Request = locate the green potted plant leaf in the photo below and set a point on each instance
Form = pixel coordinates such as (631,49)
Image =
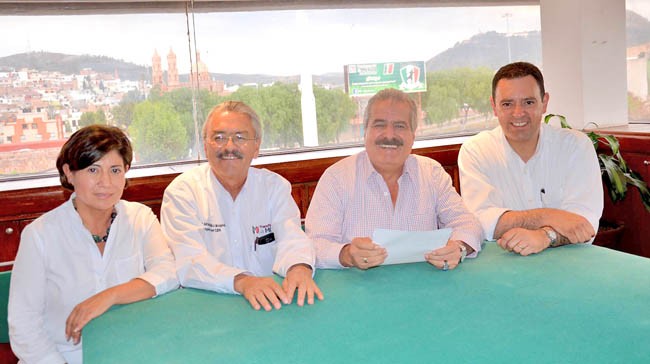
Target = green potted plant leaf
(615,171)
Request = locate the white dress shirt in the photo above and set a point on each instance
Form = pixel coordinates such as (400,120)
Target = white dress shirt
(352,200)
(58,266)
(215,238)
(563,174)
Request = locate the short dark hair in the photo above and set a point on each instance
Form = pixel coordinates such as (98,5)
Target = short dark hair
(88,145)
(395,96)
(518,70)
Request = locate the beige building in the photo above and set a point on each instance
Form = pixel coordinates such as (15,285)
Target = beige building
(637,70)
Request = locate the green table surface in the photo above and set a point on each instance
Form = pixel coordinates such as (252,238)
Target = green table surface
(574,304)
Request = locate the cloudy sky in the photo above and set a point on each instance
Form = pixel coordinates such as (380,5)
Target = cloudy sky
(273,42)
(640,6)
(277,42)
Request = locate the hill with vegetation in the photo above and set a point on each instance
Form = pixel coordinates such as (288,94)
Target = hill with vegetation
(489,50)
(637,29)
(73,64)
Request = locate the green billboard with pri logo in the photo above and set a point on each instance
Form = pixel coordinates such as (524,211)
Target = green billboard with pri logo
(370,78)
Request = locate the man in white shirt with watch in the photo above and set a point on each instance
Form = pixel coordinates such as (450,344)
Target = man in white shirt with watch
(531,185)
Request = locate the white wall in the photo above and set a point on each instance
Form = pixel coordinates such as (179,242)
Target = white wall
(584,60)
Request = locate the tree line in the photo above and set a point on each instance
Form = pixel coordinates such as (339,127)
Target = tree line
(162,126)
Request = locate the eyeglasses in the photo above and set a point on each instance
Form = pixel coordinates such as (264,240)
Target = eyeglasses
(238,139)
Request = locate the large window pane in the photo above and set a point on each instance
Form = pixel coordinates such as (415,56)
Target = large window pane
(638,59)
(157,75)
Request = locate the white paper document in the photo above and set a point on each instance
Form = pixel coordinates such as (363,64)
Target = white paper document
(409,246)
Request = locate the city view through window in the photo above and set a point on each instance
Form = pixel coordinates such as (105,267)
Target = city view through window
(143,73)
(638,60)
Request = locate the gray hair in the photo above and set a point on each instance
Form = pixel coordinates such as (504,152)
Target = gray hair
(395,96)
(237,107)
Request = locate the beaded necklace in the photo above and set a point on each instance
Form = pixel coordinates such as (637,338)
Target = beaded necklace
(103,239)
(100,239)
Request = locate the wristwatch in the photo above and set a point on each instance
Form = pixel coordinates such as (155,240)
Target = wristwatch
(463,252)
(551,234)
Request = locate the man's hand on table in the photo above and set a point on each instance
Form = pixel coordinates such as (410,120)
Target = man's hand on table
(449,256)
(261,292)
(299,277)
(362,253)
(523,241)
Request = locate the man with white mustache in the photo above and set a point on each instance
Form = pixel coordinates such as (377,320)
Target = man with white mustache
(531,185)
(387,187)
(232,226)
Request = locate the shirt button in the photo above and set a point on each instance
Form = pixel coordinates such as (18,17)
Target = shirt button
(385,193)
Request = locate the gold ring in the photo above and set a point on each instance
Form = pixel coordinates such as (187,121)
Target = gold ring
(365,260)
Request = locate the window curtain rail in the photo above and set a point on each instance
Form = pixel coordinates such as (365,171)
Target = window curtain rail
(88,7)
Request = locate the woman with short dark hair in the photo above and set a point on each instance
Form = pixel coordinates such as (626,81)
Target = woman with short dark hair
(88,254)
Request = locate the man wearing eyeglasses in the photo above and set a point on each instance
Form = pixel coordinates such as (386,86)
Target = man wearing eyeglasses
(232,226)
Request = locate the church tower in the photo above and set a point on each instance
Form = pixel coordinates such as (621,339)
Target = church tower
(156,70)
(204,74)
(172,71)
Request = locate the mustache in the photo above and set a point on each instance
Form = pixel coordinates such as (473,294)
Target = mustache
(393,141)
(230,154)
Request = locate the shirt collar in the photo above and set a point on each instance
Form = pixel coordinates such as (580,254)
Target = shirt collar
(368,170)
(512,155)
(214,181)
